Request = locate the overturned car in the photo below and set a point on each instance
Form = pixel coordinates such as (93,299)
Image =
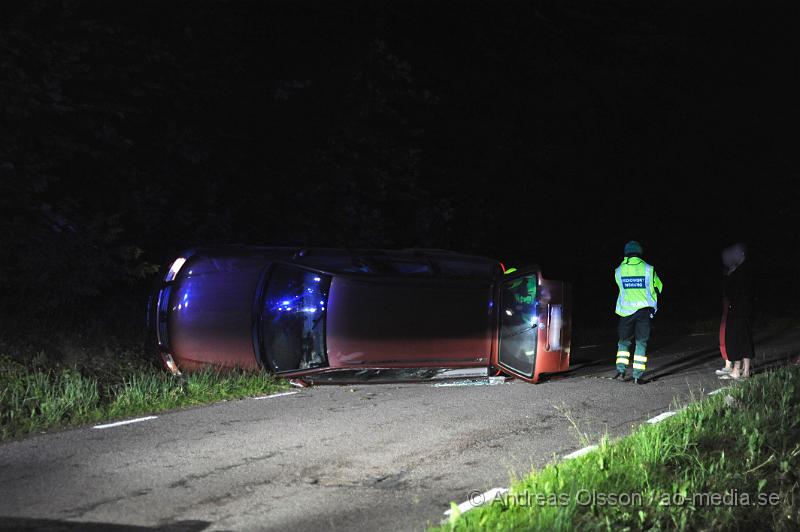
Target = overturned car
(333,315)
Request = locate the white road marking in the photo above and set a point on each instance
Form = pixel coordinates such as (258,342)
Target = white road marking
(274,395)
(714,392)
(580,452)
(588,346)
(661,417)
(478,500)
(126,422)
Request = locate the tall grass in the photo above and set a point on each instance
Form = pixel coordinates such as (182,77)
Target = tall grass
(35,399)
(743,444)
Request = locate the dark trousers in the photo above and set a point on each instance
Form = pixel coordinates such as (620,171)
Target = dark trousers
(634,327)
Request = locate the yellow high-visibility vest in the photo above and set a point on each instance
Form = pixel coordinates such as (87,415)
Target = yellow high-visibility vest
(638,284)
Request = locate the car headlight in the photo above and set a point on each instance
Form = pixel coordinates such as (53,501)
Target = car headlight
(177,264)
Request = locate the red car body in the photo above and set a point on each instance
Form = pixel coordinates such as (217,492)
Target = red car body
(329,315)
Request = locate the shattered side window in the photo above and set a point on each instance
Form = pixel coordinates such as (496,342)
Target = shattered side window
(293,319)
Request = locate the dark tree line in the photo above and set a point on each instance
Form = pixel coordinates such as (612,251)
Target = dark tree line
(543,131)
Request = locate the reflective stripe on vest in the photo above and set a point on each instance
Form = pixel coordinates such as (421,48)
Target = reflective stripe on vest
(648,285)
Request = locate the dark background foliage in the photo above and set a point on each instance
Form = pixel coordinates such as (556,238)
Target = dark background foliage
(533,131)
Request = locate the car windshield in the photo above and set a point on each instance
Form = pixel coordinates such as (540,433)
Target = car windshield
(518,324)
(293,319)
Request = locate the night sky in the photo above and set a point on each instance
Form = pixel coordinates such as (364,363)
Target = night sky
(530,131)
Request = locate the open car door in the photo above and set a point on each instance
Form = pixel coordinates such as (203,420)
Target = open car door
(534,325)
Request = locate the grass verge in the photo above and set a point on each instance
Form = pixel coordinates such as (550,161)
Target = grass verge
(729,462)
(33,399)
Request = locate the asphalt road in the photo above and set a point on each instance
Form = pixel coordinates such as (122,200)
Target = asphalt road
(362,457)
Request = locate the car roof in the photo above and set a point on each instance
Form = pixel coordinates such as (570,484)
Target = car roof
(409,262)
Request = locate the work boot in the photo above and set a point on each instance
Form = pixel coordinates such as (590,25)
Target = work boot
(619,375)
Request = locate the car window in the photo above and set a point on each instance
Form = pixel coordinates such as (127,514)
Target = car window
(293,318)
(518,324)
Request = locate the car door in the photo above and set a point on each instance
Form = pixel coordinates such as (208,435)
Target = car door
(534,322)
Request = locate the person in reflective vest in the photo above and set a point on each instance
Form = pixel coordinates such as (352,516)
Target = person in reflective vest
(637,303)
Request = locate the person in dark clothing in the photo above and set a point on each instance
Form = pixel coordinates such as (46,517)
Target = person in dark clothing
(727,262)
(738,291)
